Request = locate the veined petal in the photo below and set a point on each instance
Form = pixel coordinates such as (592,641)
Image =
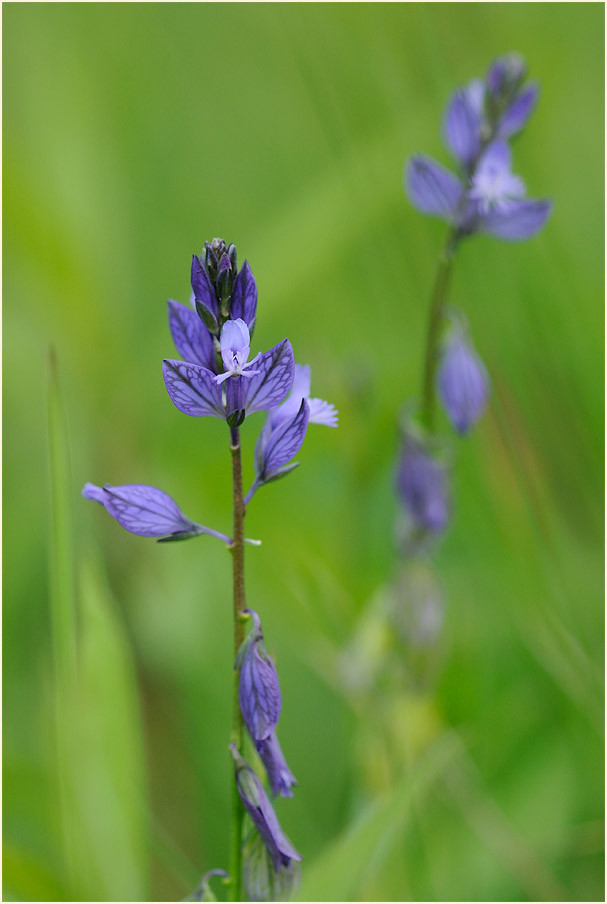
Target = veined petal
(462,126)
(201,285)
(284,442)
(432,189)
(193,389)
(518,112)
(191,337)
(274,380)
(515,220)
(244,296)
(141,509)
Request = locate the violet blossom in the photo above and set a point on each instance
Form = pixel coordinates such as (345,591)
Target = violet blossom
(487,197)
(491,200)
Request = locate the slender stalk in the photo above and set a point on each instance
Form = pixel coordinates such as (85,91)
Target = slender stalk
(437,312)
(237,550)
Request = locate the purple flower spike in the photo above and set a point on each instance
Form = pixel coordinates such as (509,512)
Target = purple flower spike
(432,189)
(258,688)
(422,484)
(463,383)
(259,808)
(279,775)
(244,297)
(147,511)
(191,337)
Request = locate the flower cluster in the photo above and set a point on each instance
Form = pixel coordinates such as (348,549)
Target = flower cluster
(485,196)
(216,379)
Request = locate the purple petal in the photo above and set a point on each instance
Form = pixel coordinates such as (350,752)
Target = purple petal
(518,113)
(516,220)
(244,296)
(432,188)
(193,389)
(201,285)
(274,380)
(191,337)
(462,127)
(284,442)
(279,775)
(141,509)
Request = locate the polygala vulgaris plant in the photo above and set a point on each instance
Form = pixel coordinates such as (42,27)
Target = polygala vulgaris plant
(484,197)
(217,379)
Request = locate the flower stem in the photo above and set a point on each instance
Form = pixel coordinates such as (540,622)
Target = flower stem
(437,311)
(237,550)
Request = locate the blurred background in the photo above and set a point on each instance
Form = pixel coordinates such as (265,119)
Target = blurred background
(133,133)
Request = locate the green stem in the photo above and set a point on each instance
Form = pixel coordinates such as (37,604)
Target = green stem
(437,312)
(237,550)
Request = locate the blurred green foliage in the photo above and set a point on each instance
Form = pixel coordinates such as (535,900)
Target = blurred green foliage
(133,132)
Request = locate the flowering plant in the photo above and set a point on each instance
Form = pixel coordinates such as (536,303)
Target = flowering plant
(216,379)
(485,197)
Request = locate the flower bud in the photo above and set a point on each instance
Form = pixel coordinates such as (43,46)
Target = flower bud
(258,688)
(463,383)
(505,76)
(421,481)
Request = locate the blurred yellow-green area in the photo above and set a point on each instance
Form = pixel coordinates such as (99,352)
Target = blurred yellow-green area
(133,133)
